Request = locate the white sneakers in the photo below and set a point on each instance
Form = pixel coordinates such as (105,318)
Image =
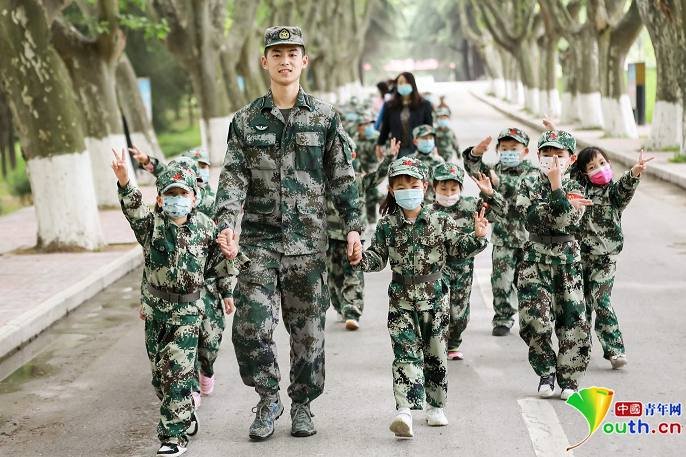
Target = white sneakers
(566,393)
(402,424)
(618,361)
(435,417)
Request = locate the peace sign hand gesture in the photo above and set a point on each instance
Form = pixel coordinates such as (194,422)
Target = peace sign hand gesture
(119,168)
(641,165)
(481,223)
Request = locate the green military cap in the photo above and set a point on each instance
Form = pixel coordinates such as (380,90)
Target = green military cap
(283,34)
(557,139)
(443,112)
(177,175)
(422,130)
(199,155)
(186,162)
(408,166)
(448,171)
(516,134)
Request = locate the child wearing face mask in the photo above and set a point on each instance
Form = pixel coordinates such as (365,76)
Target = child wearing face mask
(549,276)
(417,241)
(180,253)
(459,272)
(365,139)
(424,139)
(446,141)
(601,238)
(509,233)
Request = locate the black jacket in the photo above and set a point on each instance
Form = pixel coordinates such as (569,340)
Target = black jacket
(391,127)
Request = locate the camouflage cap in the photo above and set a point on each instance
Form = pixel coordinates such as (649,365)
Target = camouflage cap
(408,166)
(557,139)
(199,155)
(448,171)
(283,34)
(443,112)
(187,162)
(422,130)
(365,116)
(516,134)
(177,175)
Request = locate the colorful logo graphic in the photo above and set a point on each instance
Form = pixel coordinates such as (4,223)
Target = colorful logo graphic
(593,403)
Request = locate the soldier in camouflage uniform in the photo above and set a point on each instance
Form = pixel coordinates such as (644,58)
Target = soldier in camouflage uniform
(417,240)
(346,285)
(602,240)
(549,276)
(446,141)
(180,252)
(424,140)
(286,155)
(509,232)
(365,138)
(459,272)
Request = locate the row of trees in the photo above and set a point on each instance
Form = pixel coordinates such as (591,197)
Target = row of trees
(522,41)
(72,89)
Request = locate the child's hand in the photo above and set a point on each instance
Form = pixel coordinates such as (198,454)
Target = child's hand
(481,223)
(141,316)
(481,148)
(494,178)
(555,174)
(549,124)
(228,243)
(483,182)
(641,165)
(354,248)
(378,151)
(119,168)
(229,306)
(579,203)
(395,147)
(140,157)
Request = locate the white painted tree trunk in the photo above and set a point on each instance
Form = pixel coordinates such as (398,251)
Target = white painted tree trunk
(590,112)
(520,98)
(666,128)
(619,118)
(569,112)
(550,104)
(512,91)
(213,133)
(532,99)
(65,201)
(498,87)
(101,156)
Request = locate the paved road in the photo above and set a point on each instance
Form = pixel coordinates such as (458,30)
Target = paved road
(82,388)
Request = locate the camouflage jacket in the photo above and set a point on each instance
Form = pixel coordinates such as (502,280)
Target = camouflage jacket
(365,181)
(549,213)
(206,198)
(418,248)
(281,172)
(366,152)
(446,143)
(600,231)
(178,259)
(430,161)
(508,228)
(462,213)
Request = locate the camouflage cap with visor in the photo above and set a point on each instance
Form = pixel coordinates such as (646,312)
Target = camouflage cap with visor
(408,166)
(283,34)
(516,134)
(177,175)
(557,139)
(448,171)
(422,130)
(442,112)
(199,155)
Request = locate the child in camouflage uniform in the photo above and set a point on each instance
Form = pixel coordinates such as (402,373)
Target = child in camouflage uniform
(446,141)
(602,240)
(459,272)
(365,139)
(549,276)
(180,252)
(509,232)
(424,139)
(417,241)
(346,286)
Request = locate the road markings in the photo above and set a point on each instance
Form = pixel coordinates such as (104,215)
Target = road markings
(545,430)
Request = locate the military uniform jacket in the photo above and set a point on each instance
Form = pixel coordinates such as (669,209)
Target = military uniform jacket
(366,152)
(600,231)
(177,258)
(446,143)
(280,171)
(549,213)
(509,228)
(415,249)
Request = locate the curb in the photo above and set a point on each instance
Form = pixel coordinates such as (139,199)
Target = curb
(23,329)
(656,170)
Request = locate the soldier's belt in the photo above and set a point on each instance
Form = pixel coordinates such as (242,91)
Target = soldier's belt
(550,239)
(418,279)
(172,297)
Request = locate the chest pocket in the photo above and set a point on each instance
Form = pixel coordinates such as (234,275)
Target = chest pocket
(309,150)
(261,150)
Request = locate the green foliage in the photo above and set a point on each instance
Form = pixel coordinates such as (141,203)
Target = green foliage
(174,142)
(678,158)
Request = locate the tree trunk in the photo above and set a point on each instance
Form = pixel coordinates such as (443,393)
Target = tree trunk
(527,59)
(588,84)
(48,121)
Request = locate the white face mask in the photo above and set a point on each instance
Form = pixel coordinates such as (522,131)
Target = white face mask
(447,200)
(546,163)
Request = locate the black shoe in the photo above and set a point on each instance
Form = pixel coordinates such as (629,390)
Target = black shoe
(266,413)
(170,450)
(500,330)
(546,386)
(192,429)
(302,425)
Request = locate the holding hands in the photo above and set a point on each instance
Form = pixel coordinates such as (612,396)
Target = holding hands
(228,243)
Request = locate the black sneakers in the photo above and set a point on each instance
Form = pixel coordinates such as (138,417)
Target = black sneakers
(170,450)
(546,386)
(500,330)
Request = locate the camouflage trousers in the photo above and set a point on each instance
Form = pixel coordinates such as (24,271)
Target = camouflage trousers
(599,277)
(296,286)
(211,331)
(504,261)
(459,277)
(172,350)
(346,285)
(420,364)
(551,296)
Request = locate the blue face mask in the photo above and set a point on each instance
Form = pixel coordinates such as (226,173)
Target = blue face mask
(177,205)
(409,199)
(425,146)
(351,117)
(404,89)
(369,131)
(509,158)
(204,174)
(443,123)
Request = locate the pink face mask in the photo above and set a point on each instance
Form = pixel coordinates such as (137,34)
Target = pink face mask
(601,176)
